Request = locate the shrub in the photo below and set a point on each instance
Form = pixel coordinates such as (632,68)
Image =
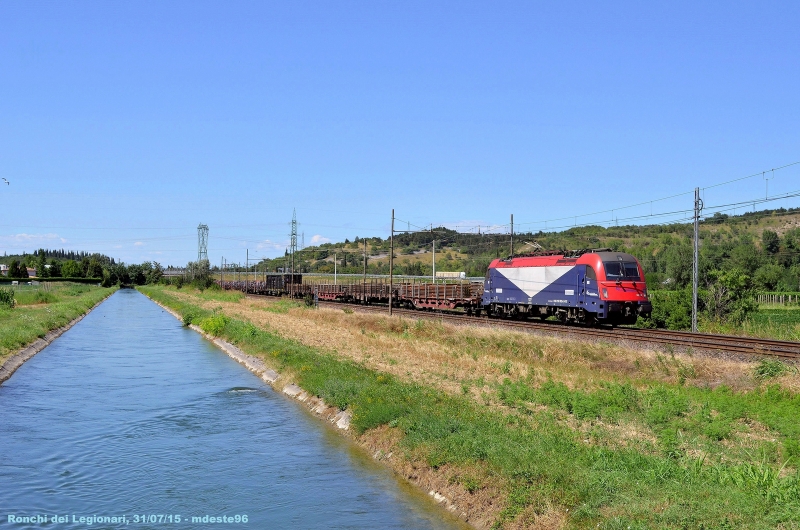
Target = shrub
(769,368)
(214,325)
(188,317)
(729,297)
(7,298)
(44,297)
(671,310)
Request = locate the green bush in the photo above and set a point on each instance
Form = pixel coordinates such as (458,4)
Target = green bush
(214,325)
(44,297)
(671,310)
(188,317)
(7,298)
(769,368)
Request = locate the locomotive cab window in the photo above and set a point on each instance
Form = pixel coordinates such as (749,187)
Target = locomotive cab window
(619,270)
(590,274)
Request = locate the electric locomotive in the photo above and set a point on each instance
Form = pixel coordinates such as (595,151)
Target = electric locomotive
(598,286)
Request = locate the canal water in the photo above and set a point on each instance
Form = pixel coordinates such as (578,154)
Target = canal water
(130,415)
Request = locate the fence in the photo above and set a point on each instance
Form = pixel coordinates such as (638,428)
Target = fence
(778,298)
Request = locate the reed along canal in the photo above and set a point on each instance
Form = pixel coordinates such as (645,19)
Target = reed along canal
(128,414)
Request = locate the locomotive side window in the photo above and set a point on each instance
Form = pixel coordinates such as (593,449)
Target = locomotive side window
(618,270)
(590,274)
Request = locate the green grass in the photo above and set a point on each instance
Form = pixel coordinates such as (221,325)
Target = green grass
(769,322)
(40,310)
(542,461)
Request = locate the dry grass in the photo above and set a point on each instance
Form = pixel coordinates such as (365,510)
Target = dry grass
(449,357)
(473,360)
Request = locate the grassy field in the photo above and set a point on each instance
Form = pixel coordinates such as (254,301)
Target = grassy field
(523,431)
(769,322)
(42,308)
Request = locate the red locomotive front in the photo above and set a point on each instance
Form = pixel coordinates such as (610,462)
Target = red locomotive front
(600,286)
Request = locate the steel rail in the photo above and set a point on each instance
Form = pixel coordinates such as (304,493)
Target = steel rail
(685,339)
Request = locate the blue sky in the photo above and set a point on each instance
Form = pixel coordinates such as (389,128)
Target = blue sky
(125,125)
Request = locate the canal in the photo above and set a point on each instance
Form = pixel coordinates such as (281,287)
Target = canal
(128,414)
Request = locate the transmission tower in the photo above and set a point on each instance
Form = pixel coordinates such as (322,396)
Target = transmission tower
(293,244)
(202,242)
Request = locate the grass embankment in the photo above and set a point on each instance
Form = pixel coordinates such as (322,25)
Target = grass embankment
(525,431)
(42,308)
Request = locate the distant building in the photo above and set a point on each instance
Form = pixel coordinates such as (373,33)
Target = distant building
(3,269)
(31,272)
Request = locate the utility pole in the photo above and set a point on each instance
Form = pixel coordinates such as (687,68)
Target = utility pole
(766,181)
(364,286)
(391,265)
(247,270)
(334,268)
(698,205)
(512,236)
(294,249)
(434,262)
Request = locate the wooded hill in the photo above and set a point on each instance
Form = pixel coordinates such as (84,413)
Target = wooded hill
(764,245)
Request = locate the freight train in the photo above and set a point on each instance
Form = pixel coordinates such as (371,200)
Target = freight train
(591,287)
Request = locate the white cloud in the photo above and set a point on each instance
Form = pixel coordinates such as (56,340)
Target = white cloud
(270,245)
(318,240)
(138,244)
(31,239)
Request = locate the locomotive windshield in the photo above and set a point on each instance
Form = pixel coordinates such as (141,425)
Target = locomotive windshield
(622,270)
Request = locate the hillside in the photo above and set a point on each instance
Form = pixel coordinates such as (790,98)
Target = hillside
(765,245)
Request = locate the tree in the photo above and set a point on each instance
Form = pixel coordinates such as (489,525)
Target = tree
(23,271)
(200,273)
(768,276)
(746,257)
(41,262)
(156,273)
(679,264)
(790,280)
(13,270)
(71,269)
(55,269)
(730,296)
(84,265)
(770,241)
(137,274)
(94,270)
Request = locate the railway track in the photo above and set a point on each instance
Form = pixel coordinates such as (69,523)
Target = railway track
(679,339)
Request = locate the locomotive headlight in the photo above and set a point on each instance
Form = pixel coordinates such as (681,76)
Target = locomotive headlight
(605,293)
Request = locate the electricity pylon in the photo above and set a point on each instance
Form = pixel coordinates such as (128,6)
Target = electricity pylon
(202,242)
